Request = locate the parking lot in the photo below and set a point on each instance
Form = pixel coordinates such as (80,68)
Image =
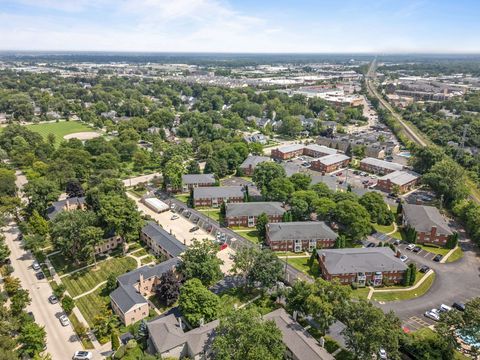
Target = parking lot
(402,247)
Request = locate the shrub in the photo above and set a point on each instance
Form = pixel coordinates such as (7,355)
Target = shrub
(120,353)
(354,285)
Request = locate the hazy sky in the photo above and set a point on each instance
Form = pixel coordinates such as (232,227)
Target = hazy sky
(242,25)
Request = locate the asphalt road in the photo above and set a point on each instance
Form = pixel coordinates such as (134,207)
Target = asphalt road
(62,342)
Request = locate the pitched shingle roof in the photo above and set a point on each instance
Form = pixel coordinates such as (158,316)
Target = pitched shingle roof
(208,192)
(321,148)
(254,209)
(198,179)
(58,206)
(164,240)
(381,163)
(126,297)
(400,177)
(423,218)
(305,230)
(332,159)
(254,160)
(290,148)
(147,271)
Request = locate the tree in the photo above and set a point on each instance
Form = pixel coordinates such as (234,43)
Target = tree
(172,173)
(261,226)
(40,193)
(244,261)
(291,126)
(299,209)
(452,241)
(413,273)
(340,242)
(425,157)
(377,208)
(74,189)
(68,304)
(19,301)
(103,323)
(407,277)
(59,290)
(7,183)
(447,178)
(266,271)
(243,334)
(119,215)
(265,173)
(4,250)
(11,285)
(410,234)
(301,181)
(324,208)
(280,190)
(169,288)
(111,283)
(200,261)
(353,219)
(297,297)
(193,167)
(115,340)
(31,338)
(38,225)
(197,303)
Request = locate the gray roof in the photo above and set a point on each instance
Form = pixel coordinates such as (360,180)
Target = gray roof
(302,345)
(132,277)
(208,192)
(198,179)
(305,230)
(321,148)
(254,160)
(401,177)
(58,206)
(166,241)
(423,218)
(126,297)
(381,163)
(332,159)
(292,168)
(290,148)
(354,260)
(254,209)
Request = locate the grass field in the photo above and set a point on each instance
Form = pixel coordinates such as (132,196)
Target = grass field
(384,228)
(182,197)
(59,129)
(87,279)
(302,265)
(456,255)
(139,253)
(405,295)
(213,214)
(360,293)
(93,304)
(61,265)
(250,235)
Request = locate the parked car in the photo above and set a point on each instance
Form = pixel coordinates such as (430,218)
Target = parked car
(363,174)
(382,354)
(404,258)
(410,247)
(433,314)
(437,258)
(82,355)
(40,275)
(444,308)
(396,242)
(459,306)
(392,196)
(424,269)
(64,320)
(52,299)
(369,245)
(195,228)
(174,217)
(36,266)
(417,249)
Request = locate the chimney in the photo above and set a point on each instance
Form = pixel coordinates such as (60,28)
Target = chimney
(398,253)
(180,323)
(202,322)
(322,257)
(295,314)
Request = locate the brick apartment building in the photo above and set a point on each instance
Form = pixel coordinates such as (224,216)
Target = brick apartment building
(329,163)
(246,214)
(160,241)
(429,224)
(287,152)
(215,195)
(316,151)
(378,166)
(190,181)
(299,236)
(251,162)
(363,266)
(404,180)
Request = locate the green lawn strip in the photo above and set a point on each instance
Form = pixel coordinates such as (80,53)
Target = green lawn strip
(59,129)
(289,253)
(250,235)
(302,265)
(87,344)
(383,228)
(434,249)
(148,260)
(213,214)
(397,235)
(85,280)
(405,295)
(360,293)
(182,197)
(456,255)
(61,265)
(139,253)
(93,304)
(237,295)
(330,344)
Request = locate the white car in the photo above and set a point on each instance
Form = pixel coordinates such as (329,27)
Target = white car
(174,217)
(411,247)
(82,355)
(64,320)
(36,266)
(433,314)
(444,308)
(382,354)
(404,258)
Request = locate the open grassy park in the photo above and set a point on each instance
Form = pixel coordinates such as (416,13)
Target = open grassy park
(59,129)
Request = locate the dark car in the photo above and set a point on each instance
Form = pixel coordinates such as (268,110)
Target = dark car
(417,249)
(371,245)
(437,258)
(459,306)
(424,269)
(40,275)
(195,228)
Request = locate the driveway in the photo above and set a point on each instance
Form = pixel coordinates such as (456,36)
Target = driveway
(62,341)
(140,179)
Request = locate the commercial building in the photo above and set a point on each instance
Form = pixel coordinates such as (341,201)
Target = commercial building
(427,221)
(251,162)
(364,266)
(329,163)
(215,195)
(160,241)
(299,236)
(378,166)
(287,152)
(246,214)
(190,181)
(402,180)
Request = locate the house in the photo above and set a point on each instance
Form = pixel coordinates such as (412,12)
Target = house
(215,195)
(403,180)
(130,299)
(427,221)
(364,266)
(160,241)
(378,166)
(250,163)
(246,214)
(256,138)
(190,181)
(329,163)
(168,338)
(287,152)
(108,244)
(317,151)
(70,204)
(299,236)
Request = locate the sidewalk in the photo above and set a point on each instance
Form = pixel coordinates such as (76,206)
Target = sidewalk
(422,280)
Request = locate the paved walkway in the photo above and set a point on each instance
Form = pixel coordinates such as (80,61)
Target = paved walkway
(447,255)
(420,282)
(90,291)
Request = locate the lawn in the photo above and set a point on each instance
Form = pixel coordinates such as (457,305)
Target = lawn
(456,255)
(397,235)
(148,259)
(213,214)
(405,295)
(61,265)
(301,263)
(383,228)
(250,235)
(237,296)
(87,279)
(87,344)
(59,129)
(182,197)
(93,304)
(360,293)
(139,253)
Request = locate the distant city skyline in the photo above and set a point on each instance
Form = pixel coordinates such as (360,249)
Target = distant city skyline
(247,26)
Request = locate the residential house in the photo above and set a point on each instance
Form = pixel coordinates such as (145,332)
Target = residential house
(256,138)
(363,266)
(190,181)
(299,236)
(378,166)
(403,180)
(246,214)
(250,163)
(287,152)
(329,163)
(130,299)
(215,195)
(108,244)
(160,241)
(429,224)
(69,204)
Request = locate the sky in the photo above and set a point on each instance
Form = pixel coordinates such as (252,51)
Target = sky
(264,26)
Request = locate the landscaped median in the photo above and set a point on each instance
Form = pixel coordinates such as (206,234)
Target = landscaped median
(457,254)
(383,295)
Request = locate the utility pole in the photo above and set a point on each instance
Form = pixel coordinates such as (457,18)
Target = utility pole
(464,135)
